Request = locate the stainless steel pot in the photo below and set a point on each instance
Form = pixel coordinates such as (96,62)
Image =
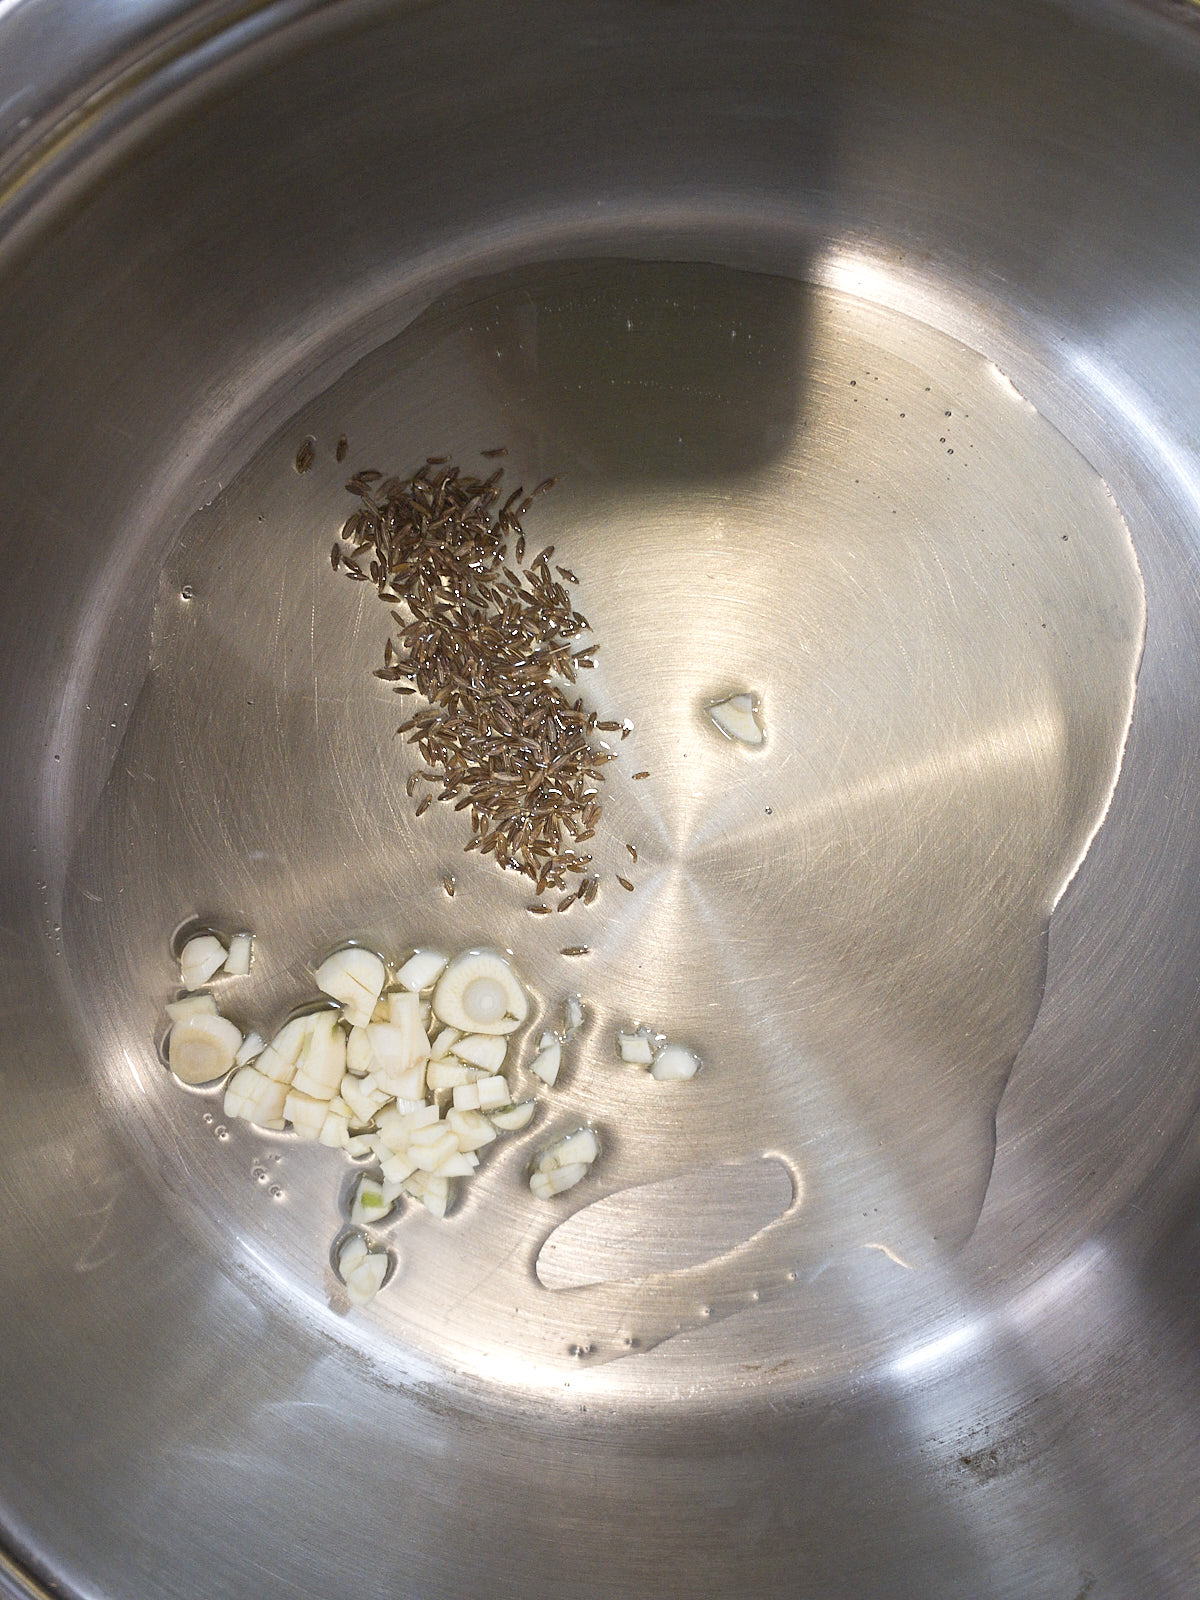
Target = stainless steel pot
(865,340)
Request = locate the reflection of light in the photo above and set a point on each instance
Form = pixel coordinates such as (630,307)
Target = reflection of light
(921,1356)
(1031,742)
(1042,1298)
(1059,1285)
(1179,462)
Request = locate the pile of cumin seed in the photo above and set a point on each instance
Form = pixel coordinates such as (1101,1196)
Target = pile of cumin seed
(488,640)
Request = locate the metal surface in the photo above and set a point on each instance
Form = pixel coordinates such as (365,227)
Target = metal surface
(866,343)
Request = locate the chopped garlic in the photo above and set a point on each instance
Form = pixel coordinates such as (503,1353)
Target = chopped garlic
(306,1115)
(458,1165)
(673,1061)
(354,977)
(335,1130)
(511,1119)
(398,1168)
(368,1202)
(486,1050)
(400,1048)
(738,718)
(200,957)
(545,1185)
(362,1268)
(444,1043)
(450,1074)
(363,1103)
(429,1152)
(238,960)
(192,1005)
(466,1096)
(635,1048)
(359,1056)
(471,1129)
(572,1016)
(202,1048)
(582,1146)
(493,1093)
(254,1098)
(479,993)
(279,1059)
(547,1062)
(433,1192)
(322,1063)
(251,1047)
(422,970)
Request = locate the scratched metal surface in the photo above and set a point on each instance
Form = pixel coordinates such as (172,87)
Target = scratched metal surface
(864,393)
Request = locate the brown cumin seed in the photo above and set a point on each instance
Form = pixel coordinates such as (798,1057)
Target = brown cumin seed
(335,556)
(424,806)
(343,446)
(639,775)
(632,848)
(576,950)
(625,883)
(448,885)
(306,454)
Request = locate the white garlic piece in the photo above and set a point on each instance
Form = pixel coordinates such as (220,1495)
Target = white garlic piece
(192,1005)
(479,993)
(368,1202)
(471,1129)
(581,1146)
(545,1185)
(200,957)
(322,1063)
(237,962)
(202,1048)
(547,1062)
(354,977)
(279,1059)
(511,1119)
(486,1050)
(635,1048)
(251,1047)
(422,970)
(673,1061)
(254,1098)
(738,718)
(362,1268)
(306,1115)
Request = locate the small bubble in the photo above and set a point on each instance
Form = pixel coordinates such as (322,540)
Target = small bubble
(207,1118)
(277,1157)
(275,1192)
(754,1295)
(187,592)
(767,809)
(222,1132)
(791,1277)
(706,1311)
(259,1174)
